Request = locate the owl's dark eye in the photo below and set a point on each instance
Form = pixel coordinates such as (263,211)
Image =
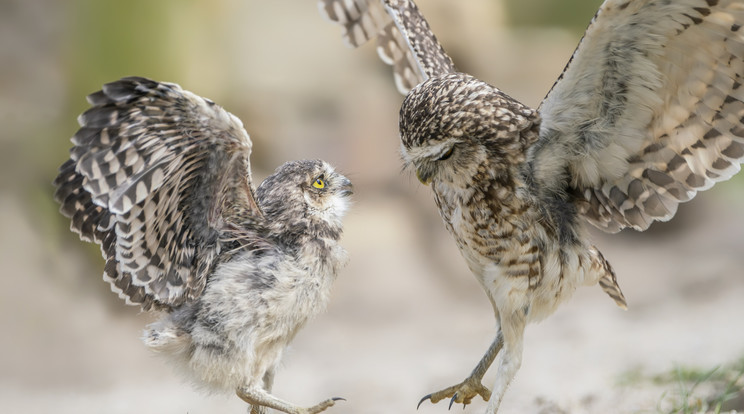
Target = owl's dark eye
(319,183)
(447,154)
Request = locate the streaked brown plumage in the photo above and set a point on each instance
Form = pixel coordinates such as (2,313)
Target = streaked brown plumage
(647,113)
(160,178)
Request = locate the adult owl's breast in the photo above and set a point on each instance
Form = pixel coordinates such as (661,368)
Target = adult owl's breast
(480,234)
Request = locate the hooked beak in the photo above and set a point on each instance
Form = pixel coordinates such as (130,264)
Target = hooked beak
(346,188)
(424,178)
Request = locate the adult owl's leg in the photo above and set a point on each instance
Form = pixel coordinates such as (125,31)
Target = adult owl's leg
(258,397)
(464,392)
(512,328)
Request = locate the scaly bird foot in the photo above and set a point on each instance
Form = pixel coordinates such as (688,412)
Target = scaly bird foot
(322,406)
(260,400)
(462,393)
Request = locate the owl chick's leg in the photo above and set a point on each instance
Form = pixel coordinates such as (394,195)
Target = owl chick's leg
(512,328)
(268,383)
(258,397)
(464,392)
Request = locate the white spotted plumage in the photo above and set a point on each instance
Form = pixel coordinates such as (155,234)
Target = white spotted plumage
(648,112)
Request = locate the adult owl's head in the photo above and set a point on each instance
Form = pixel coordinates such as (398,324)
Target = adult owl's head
(306,194)
(452,124)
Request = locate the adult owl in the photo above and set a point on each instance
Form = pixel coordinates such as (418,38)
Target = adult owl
(647,113)
(160,178)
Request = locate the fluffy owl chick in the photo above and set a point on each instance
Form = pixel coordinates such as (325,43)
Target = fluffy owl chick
(648,112)
(160,178)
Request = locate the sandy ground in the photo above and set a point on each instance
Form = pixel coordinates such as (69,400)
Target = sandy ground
(396,329)
(406,317)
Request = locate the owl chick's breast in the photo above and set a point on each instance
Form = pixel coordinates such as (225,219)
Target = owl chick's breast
(251,309)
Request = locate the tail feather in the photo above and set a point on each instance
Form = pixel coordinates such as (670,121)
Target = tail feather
(609,284)
(608,281)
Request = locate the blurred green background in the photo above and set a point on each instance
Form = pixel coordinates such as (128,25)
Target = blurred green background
(406,317)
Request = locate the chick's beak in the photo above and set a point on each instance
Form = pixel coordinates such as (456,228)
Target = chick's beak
(346,188)
(425,179)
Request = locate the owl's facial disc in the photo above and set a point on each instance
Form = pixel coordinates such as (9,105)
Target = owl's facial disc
(332,184)
(428,160)
(327,194)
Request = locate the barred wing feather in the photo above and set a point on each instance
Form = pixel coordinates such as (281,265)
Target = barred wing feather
(404,39)
(158,177)
(649,109)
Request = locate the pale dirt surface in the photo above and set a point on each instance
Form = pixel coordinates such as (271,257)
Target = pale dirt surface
(406,317)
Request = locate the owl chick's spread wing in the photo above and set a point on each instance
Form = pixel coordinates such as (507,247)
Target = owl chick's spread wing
(404,39)
(649,110)
(157,177)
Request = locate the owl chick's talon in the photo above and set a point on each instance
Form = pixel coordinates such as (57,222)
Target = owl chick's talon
(324,405)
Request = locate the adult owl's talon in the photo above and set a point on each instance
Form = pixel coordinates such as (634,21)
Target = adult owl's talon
(462,393)
(452,401)
(426,397)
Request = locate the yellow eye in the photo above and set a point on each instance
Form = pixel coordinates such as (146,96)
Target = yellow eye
(319,183)
(446,154)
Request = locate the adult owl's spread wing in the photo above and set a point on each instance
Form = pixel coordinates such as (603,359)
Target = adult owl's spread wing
(649,110)
(156,177)
(404,39)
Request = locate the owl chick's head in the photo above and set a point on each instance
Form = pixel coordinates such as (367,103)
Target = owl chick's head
(307,195)
(450,126)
